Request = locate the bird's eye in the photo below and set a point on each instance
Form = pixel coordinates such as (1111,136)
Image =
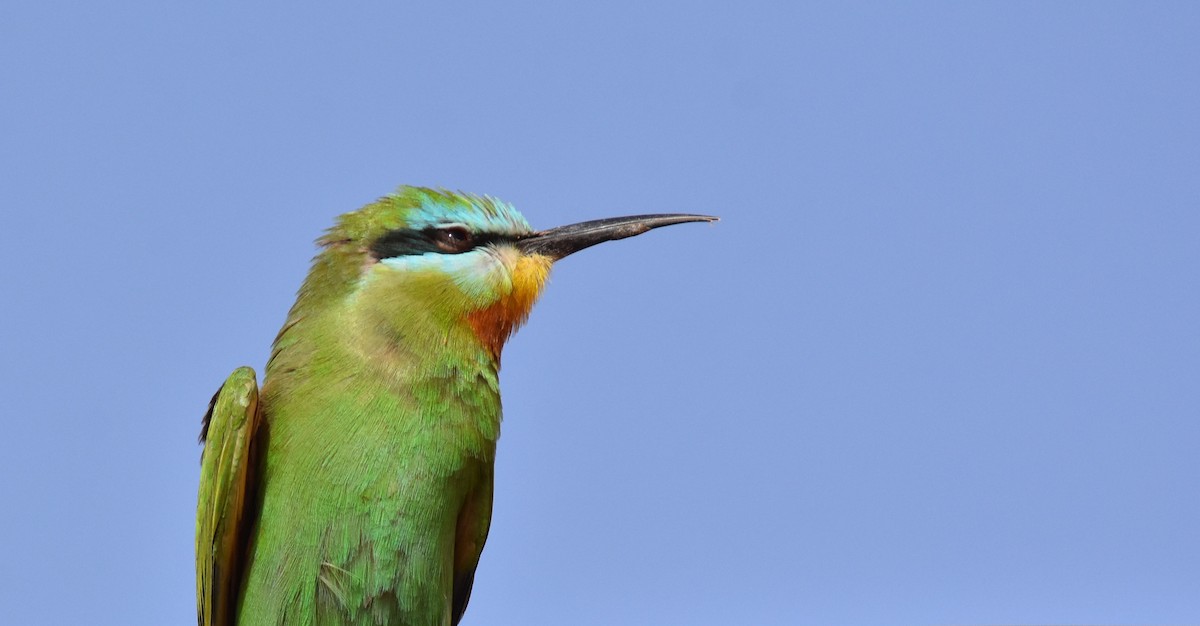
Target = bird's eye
(453,239)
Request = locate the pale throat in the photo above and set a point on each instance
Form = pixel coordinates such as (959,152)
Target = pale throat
(408,309)
(495,323)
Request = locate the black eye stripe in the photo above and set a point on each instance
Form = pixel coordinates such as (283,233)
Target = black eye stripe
(452,239)
(408,241)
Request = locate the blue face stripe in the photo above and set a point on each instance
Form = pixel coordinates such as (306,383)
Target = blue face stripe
(479,214)
(477,273)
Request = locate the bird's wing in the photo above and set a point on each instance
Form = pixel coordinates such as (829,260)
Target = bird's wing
(470,534)
(227,468)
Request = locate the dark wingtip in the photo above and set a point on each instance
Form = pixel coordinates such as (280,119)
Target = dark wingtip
(207,419)
(462,594)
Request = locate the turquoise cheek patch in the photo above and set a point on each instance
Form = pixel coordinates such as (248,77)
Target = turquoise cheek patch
(478,274)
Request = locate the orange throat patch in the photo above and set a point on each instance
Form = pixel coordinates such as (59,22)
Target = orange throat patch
(496,323)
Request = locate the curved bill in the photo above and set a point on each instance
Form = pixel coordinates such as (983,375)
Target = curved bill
(557,243)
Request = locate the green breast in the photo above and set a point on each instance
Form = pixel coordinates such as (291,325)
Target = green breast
(366,471)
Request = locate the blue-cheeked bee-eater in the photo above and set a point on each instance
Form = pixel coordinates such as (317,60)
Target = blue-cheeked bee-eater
(356,486)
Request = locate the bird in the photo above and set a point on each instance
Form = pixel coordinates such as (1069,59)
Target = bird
(355,487)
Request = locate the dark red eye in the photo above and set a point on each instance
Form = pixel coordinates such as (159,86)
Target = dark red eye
(454,239)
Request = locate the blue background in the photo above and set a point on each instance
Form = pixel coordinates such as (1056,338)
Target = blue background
(937,364)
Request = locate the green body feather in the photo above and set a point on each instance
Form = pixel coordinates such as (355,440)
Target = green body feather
(369,463)
(356,487)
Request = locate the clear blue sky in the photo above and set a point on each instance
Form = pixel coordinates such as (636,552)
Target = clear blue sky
(939,363)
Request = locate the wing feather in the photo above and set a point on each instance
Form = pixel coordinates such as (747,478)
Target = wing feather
(227,467)
(472,529)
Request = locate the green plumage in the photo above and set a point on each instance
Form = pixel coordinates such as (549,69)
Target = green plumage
(369,463)
(356,488)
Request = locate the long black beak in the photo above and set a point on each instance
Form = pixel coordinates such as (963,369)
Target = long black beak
(557,243)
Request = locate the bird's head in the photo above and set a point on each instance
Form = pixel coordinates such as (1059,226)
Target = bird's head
(438,258)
